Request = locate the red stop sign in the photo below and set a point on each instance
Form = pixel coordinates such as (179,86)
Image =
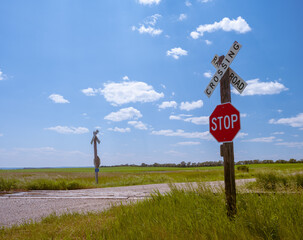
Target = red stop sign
(224,122)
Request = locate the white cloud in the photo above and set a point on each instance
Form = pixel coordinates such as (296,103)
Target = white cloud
(241,135)
(181,133)
(208,42)
(278,133)
(207,74)
(239,25)
(204,1)
(188,143)
(190,106)
(124,114)
(170,104)
(90,91)
(1,135)
(203,120)
(1,75)
(149,26)
(194,35)
(152,20)
(149,2)
(69,130)
(56,98)
(255,87)
(279,111)
(187,3)
(174,117)
(261,139)
(38,149)
(138,124)
(163,86)
(291,144)
(182,17)
(179,117)
(126,92)
(125,78)
(292,121)
(121,130)
(176,52)
(149,30)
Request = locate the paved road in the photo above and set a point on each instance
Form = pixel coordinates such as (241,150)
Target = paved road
(22,207)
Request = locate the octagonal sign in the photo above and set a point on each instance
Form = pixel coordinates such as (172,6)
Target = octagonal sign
(224,122)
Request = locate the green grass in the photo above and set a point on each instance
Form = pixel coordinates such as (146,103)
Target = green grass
(110,169)
(275,181)
(73,178)
(194,214)
(7,184)
(276,166)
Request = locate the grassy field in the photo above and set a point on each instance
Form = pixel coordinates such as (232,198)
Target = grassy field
(192,214)
(275,212)
(76,178)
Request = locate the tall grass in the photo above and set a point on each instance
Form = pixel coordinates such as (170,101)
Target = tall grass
(62,180)
(180,214)
(41,184)
(7,184)
(59,184)
(72,178)
(278,181)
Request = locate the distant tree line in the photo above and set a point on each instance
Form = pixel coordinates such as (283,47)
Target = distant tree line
(209,163)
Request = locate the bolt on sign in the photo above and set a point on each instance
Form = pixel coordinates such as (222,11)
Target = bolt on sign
(223,65)
(224,122)
(238,83)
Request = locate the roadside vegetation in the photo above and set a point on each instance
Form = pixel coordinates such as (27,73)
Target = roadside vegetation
(180,214)
(271,209)
(276,181)
(78,178)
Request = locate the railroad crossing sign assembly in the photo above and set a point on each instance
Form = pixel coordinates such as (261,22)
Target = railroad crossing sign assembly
(224,122)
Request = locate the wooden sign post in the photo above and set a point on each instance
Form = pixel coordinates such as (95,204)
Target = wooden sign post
(96,158)
(227,152)
(225,76)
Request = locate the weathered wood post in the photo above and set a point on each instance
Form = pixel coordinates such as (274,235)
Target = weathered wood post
(96,158)
(227,152)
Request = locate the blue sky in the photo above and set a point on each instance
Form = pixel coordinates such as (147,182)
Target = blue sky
(137,71)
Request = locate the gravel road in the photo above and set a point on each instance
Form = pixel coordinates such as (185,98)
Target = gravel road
(23,207)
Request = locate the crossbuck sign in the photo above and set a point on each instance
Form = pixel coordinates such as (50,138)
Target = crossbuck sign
(222,65)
